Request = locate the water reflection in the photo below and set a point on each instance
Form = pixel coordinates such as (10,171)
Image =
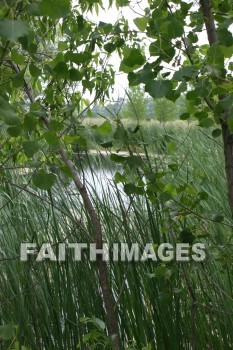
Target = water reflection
(98,173)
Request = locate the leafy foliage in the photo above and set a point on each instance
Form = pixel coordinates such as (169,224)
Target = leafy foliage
(55,68)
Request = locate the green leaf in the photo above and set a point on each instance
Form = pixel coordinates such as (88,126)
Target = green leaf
(133,59)
(203,195)
(185,72)
(14,131)
(109,47)
(70,139)
(227,102)
(218,132)
(225,37)
(43,180)
(132,189)
(163,49)
(206,123)
(54,8)
(173,167)
(184,116)
(107,144)
(116,158)
(37,110)
(190,189)
(54,125)
(106,27)
(141,23)
(61,70)
(88,84)
(78,58)
(9,117)
(80,22)
(30,148)
(12,30)
(18,79)
(51,138)
(104,128)
(7,332)
(59,58)
(17,58)
(186,236)
(69,108)
(227,51)
(75,75)
(120,134)
(119,42)
(99,323)
(170,189)
(134,161)
(201,115)
(158,88)
(66,170)
(175,28)
(142,76)
(122,3)
(171,146)
(32,9)
(29,123)
(215,56)
(80,141)
(119,178)
(62,45)
(34,71)
(218,217)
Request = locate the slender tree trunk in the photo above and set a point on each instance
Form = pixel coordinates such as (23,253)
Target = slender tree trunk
(111,318)
(226,133)
(228,152)
(108,300)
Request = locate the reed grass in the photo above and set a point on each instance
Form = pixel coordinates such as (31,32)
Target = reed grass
(58,305)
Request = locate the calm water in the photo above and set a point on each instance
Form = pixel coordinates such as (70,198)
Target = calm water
(98,174)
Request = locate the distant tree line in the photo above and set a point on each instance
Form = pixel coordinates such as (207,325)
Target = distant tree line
(138,105)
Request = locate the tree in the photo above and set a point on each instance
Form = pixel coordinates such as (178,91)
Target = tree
(206,68)
(42,94)
(136,105)
(164,110)
(40,91)
(220,38)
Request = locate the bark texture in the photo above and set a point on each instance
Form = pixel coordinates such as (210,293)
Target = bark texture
(226,133)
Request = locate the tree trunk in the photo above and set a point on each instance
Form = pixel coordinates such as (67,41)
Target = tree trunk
(108,300)
(226,133)
(228,152)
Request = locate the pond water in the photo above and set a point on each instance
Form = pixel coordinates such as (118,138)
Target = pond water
(98,173)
